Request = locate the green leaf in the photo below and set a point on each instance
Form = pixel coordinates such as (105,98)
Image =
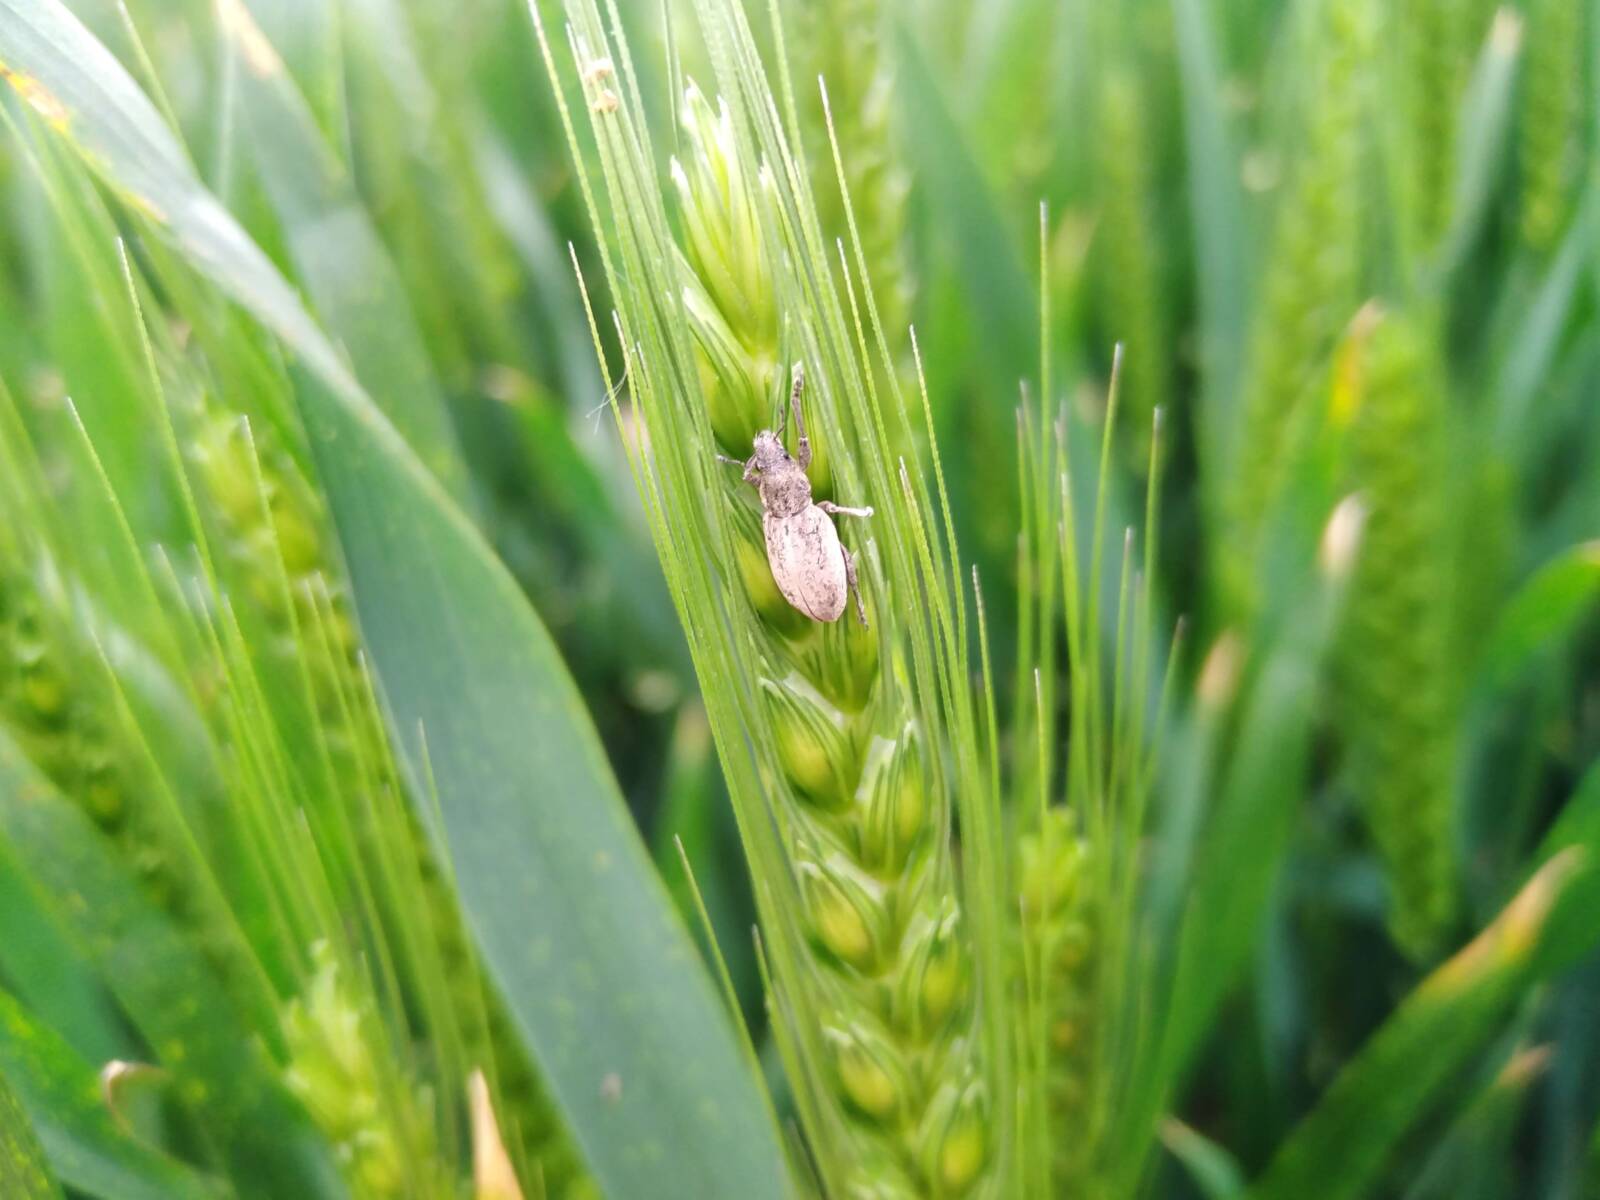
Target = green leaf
(1402,1072)
(1543,612)
(1474,1157)
(998,287)
(1579,822)
(167,990)
(1243,845)
(81,1140)
(1217,215)
(23,1173)
(1219,868)
(1538,325)
(1481,139)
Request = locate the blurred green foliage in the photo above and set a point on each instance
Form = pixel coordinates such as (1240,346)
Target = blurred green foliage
(363,656)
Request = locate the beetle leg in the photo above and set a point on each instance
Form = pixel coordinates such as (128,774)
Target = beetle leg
(828,506)
(852,584)
(749,466)
(802,453)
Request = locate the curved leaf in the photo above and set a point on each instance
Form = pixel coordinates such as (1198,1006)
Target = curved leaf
(337,254)
(1543,611)
(49,972)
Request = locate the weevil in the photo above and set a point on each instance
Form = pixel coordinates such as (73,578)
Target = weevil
(812,569)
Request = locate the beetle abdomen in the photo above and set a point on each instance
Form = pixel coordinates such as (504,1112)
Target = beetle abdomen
(808,562)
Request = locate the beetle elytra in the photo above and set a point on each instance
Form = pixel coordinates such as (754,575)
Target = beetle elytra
(811,567)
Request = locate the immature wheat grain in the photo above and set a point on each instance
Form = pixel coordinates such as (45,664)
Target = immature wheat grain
(1309,290)
(273,544)
(334,1072)
(866,840)
(1397,660)
(1435,39)
(57,699)
(1058,942)
(842,41)
(1552,123)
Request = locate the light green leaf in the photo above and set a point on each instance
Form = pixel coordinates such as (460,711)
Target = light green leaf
(1213,1169)
(1217,215)
(1481,138)
(352,283)
(1537,326)
(48,971)
(998,287)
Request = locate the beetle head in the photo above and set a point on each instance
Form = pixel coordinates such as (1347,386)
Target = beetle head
(769,451)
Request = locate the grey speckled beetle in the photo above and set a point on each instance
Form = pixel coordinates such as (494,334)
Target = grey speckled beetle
(812,569)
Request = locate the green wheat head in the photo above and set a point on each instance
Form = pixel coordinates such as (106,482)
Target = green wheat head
(269,531)
(1310,288)
(1397,654)
(1551,125)
(844,41)
(845,745)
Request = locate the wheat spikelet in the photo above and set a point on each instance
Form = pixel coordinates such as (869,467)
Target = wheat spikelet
(865,837)
(843,42)
(1435,40)
(1550,131)
(1058,958)
(1397,651)
(335,1073)
(270,525)
(1309,292)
